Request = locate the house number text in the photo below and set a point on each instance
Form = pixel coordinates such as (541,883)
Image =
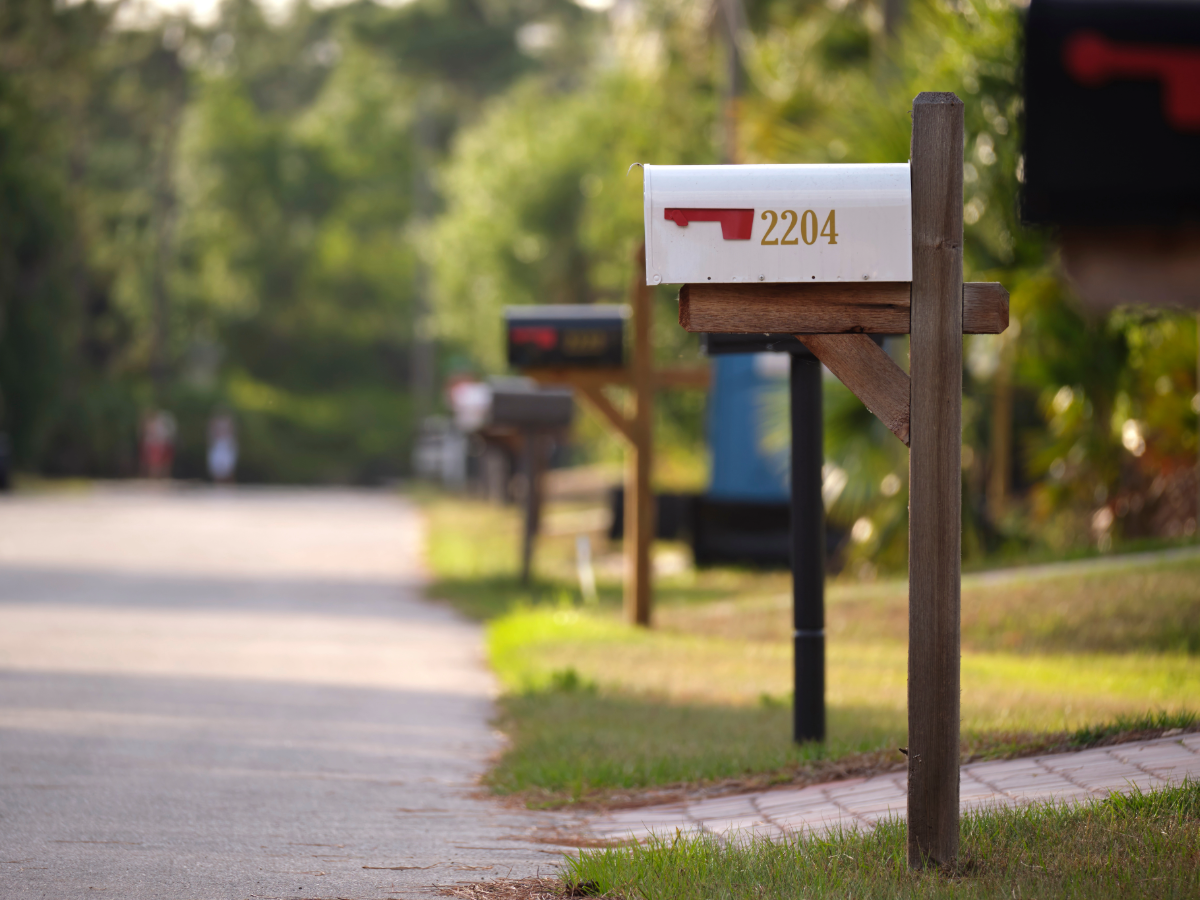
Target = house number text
(808,227)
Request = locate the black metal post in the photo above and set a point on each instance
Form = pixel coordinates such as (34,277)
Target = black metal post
(808,549)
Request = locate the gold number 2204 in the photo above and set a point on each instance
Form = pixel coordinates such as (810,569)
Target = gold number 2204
(808,232)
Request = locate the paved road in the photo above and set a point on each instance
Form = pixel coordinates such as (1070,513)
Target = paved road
(237,694)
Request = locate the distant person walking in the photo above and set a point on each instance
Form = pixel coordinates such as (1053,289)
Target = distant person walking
(158,444)
(222,448)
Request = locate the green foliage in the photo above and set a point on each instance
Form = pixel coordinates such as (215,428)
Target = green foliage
(541,201)
(264,216)
(223,218)
(292,254)
(1087,389)
(33,292)
(83,115)
(542,204)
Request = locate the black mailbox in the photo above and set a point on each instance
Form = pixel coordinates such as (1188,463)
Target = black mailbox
(1112,112)
(565,336)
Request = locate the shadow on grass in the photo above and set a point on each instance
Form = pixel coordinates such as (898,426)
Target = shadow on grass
(491,596)
(718,585)
(575,744)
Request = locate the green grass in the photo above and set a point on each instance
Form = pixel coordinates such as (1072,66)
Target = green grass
(1000,690)
(596,710)
(584,746)
(1123,608)
(1144,845)
(473,550)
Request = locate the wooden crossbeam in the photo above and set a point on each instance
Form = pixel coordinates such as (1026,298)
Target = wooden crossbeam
(880,307)
(985,307)
(580,379)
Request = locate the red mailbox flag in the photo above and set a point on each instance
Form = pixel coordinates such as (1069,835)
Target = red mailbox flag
(1093,60)
(736,224)
(542,337)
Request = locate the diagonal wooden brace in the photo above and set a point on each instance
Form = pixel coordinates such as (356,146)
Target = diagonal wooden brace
(833,319)
(595,396)
(873,376)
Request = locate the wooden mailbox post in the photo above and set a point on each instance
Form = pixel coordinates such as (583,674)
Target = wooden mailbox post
(636,427)
(897,275)
(531,419)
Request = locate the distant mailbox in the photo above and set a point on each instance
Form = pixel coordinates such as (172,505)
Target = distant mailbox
(775,223)
(536,408)
(1112,113)
(565,336)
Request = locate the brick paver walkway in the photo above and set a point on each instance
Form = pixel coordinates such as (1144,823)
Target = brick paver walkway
(861,802)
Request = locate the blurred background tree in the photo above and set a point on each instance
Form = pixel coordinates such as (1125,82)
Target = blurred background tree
(311,218)
(1054,409)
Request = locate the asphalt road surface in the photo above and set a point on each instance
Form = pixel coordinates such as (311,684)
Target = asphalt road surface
(238,694)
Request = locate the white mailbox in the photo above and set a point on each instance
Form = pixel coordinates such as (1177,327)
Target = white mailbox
(778,223)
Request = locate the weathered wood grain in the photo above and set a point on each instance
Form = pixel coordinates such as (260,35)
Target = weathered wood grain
(822,308)
(935,480)
(984,307)
(825,308)
(873,376)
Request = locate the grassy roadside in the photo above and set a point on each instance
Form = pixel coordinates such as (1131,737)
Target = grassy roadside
(1139,846)
(597,711)
(601,713)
